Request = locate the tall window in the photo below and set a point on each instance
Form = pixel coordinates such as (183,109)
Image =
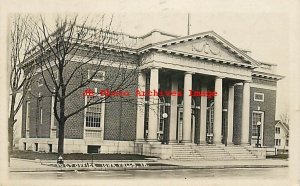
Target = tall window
(41,115)
(277,142)
(27,121)
(93,113)
(161,128)
(277,130)
(256,117)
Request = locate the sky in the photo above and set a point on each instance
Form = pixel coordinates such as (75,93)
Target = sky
(264,34)
(259,26)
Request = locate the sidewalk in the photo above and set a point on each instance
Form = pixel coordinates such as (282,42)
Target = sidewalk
(268,163)
(23,165)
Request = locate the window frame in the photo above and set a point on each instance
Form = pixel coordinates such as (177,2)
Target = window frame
(39,83)
(55,74)
(96,79)
(277,142)
(259,93)
(277,131)
(102,117)
(261,126)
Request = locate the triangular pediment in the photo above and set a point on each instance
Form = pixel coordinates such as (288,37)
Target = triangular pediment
(208,44)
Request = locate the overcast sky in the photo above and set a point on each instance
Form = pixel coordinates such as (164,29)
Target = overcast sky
(259,26)
(264,34)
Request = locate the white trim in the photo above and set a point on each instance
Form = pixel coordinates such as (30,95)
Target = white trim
(40,78)
(41,115)
(259,93)
(101,128)
(27,119)
(55,72)
(95,79)
(106,63)
(269,87)
(261,127)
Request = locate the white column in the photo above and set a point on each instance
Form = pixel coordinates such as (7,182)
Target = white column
(203,111)
(187,100)
(153,107)
(140,108)
(245,113)
(230,115)
(173,113)
(218,111)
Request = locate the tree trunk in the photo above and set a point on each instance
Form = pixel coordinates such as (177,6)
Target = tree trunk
(11,122)
(10,137)
(61,125)
(61,138)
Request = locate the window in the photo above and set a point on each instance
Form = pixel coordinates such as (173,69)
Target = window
(94,149)
(277,130)
(259,96)
(27,119)
(277,142)
(162,110)
(93,113)
(36,146)
(257,118)
(50,147)
(41,116)
(286,142)
(40,81)
(55,74)
(99,76)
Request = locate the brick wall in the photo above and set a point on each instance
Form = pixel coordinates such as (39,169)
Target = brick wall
(269,109)
(75,125)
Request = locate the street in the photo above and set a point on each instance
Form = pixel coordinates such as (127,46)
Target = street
(248,173)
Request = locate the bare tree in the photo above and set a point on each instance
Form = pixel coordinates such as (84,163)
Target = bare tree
(70,56)
(285,118)
(19,82)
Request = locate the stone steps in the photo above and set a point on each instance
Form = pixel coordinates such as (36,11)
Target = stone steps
(211,152)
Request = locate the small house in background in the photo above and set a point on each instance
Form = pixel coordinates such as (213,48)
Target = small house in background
(281,136)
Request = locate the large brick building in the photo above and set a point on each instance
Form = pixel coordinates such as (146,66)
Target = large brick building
(242,110)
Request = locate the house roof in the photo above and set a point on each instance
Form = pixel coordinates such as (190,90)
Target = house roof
(285,125)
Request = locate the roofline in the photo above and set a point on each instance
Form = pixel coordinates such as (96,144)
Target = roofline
(275,76)
(267,63)
(283,124)
(162,32)
(189,37)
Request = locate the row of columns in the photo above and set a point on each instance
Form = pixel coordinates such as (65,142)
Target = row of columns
(187,137)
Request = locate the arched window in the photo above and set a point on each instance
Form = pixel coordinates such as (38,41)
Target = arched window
(210,121)
(161,124)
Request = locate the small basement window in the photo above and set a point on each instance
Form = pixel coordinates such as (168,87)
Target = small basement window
(24,145)
(36,147)
(95,149)
(50,147)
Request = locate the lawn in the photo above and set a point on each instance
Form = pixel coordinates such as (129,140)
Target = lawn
(278,156)
(76,156)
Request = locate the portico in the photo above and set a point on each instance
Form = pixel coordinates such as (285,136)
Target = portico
(204,64)
(189,120)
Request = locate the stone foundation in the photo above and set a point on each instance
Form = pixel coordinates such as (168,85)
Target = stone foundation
(77,145)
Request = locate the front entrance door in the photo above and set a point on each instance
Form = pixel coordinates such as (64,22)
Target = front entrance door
(180,125)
